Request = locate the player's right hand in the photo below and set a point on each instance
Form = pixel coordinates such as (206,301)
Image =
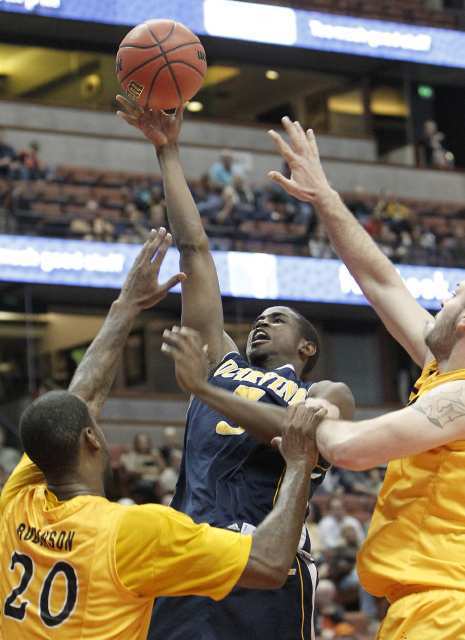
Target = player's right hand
(185,346)
(160,128)
(298,444)
(142,289)
(308,181)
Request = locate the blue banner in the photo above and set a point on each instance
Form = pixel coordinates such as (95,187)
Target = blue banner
(242,275)
(269,24)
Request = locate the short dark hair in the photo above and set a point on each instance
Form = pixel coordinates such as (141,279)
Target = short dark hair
(308,332)
(50,429)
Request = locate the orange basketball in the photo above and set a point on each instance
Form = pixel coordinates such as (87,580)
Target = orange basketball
(161,64)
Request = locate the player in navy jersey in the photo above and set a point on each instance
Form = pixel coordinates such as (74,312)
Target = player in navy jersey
(230,476)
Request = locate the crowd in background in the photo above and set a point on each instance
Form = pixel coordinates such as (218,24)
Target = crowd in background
(40,200)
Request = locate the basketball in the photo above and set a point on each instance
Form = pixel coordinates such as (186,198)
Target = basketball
(161,64)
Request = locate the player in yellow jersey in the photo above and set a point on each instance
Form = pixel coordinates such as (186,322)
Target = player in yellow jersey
(76,566)
(414,552)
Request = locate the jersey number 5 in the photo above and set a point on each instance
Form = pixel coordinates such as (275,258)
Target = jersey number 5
(251,393)
(18,611)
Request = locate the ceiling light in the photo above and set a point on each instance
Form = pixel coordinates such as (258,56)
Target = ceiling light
(194,106)
(271,74)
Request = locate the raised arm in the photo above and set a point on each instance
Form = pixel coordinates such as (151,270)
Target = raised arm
(95,374)
(262,421)
(202,308)
(436,418)
(379,280)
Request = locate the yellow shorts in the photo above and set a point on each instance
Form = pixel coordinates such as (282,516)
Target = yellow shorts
(438,614)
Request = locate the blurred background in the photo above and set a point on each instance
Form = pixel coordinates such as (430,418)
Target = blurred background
(383,86)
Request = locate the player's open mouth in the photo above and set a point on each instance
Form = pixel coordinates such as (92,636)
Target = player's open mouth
(259,337)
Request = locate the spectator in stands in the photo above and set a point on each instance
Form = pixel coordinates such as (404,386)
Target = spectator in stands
(318,245)
(431,150)
(329,613)
(222,172)
(33,167)
(102,230)
(367,483)
(9,456)
(157,208)
(170,443)
(169,475)
(7,157)
(142,467)
(344,574)
(332,524)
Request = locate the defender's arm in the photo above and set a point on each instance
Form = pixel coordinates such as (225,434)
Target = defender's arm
(435,419)
(379,280)
(95,374)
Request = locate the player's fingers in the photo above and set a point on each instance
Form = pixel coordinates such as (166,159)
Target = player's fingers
(175,341)
(159,248)
(144,252)
(276,442)
(312,143)
(293,132)
(192,335)
(287,184)
(301,193)
(173,281)
(134,122)
(130,107)
(172,351)
(151,244)
(300,133)
(283,148)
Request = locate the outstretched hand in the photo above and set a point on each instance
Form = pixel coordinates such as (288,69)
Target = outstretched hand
(308,181)
(185,346)
(159,127)
(142,288)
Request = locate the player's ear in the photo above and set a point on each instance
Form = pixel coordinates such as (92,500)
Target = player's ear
(307,349)
(91,439)
(460,328)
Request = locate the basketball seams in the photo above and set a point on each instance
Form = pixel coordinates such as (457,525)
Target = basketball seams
(187,64)
(173,77)
(169,34)
(159,55)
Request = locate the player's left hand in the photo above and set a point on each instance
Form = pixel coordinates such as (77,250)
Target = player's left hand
(142,289)
(159,127)
(190,357)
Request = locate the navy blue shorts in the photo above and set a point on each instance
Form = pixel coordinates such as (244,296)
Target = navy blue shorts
(246,614)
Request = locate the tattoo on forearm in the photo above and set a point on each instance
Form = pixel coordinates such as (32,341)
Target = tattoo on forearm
(442,408)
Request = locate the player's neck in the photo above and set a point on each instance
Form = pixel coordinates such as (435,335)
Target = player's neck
(275,361)
(456,360)
(72,485)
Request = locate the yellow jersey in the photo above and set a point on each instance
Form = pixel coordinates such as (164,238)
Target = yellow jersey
(89,569)
(416,537)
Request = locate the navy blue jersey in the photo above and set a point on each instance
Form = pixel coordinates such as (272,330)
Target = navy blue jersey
(230,480)
(227,478)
